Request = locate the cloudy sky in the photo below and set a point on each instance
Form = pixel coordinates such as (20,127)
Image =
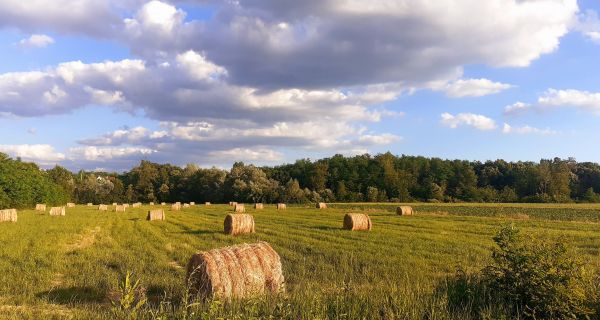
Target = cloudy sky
(103,84)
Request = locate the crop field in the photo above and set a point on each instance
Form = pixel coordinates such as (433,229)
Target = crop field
(70,267)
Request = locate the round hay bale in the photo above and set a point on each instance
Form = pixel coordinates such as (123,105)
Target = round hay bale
(126,205)
(178,202)
(57,211)
(321,205)
(192,203)
(404,211)
(239,224)
(186,205)
(232,203)
(240,271)
(207,204)
(158,214)
(120,208)
(70,205)
(259,206)
(357,221)
(103,207)
(151,203)
(163,203)
(40,207)
(8,215)
(90,204)
(137,205)
(115,204)
(239,208)
(281,206)
(175,207)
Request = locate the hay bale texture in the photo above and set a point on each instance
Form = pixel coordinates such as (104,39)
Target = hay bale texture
(158,214)
(239,208)
(103,207)
(8,215)
(175,207)
(58,211)
(259,206)
(70,205)
(40,207)
(321,205)
(239,271)
(357,221)
(281,206)
(239,224)
(120,208)
(404,211)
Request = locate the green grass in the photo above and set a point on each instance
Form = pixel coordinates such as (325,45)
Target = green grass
(65,267)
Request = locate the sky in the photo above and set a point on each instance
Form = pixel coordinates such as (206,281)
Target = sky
(103,84)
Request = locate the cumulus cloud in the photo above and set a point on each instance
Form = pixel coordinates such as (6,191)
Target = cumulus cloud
(41,153)
(508,129)
(35,41)
(472,88)
(517,108)
(582,100)
(476,121)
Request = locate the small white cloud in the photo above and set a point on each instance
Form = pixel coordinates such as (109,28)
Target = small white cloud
(42,153)
(36,41)
(382,139)
(476,121)
(32,131)
(472,88)
(247,154)
(583,100)
(107,153)
(516,108)
(589,25)
(508,129)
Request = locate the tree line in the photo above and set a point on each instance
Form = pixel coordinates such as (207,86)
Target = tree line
(363,178)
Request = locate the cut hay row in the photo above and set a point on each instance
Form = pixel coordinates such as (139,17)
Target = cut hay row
(357,221)
(70,205)
(236,224)
(158,214)
(259,206)
(8,215)
(120,208)
(40,207)
(58,211)
(239,271)
(102,207)
(404,211)
(321,205)
(239,208)
(281,206)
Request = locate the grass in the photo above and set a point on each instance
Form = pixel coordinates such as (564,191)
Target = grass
(68,267)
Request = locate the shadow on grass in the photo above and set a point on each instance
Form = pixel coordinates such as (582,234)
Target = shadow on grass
(328,228)
(73,295)
(198,232)
(135,219)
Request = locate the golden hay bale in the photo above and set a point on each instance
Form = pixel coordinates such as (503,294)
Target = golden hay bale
(232,203)
(103,207)
(281,206)
(321,205)
(192,203)
(259,206)
(163,203)
(126,205)
(40,207)
(90,204)
(158,214)
(239,208)
(70,205)
(151,203)
(175,207)
(357,221)
(405,211)
(137,205)
(8,215)
(120,208)
(240,271)
(186,205)
(57,211)
(179,203)
(239,224)
(115,204)
(207,204)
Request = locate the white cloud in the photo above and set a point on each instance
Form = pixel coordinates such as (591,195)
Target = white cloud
(582,100)
(108,153)
(41,153)
(508,129)
(36,41)
(476,121)
(589,25)
(473,88)
(246,154)
(517,108)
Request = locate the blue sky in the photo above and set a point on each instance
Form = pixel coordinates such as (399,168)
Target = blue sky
(268,82)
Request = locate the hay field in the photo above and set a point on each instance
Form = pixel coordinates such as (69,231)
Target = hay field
(69,267)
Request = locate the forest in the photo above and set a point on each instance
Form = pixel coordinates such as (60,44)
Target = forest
(363,178)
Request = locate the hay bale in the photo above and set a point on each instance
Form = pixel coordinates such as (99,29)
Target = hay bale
(158,214)
(192,203)
(186,205)
(239,224)
(126,205)
(137,205)
(232,203)
(281,206)
(175,207)
(404,211)
(70,205)
(90,204)
(179,203)
(57,211)
(321,205)
(120,208)
(8,215)
(239,208)
(357,221)
(40,207)
(163,203)
(151,203)
(115,204)
(102,207)
(207,204)
(259,206)
(240,271)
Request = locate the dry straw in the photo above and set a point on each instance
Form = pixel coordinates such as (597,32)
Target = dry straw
(404,211)
(103,207)
(240,271)
(281,206)
(357,221)
(57,211)
(40,207)
(8,215)
(70,205)
(321,205)
(239,224)
(120,208)
(259,206)
(239,208)
(158,214)
(175,207)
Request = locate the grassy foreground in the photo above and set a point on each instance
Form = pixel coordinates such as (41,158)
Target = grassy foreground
(69,267)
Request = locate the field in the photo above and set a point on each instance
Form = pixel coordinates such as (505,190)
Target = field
(70,267)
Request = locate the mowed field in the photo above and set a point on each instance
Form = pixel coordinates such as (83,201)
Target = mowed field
(70,267)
